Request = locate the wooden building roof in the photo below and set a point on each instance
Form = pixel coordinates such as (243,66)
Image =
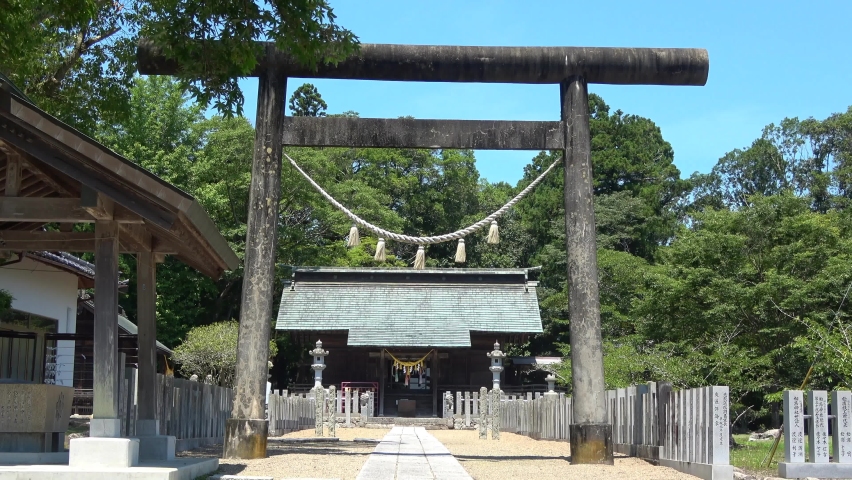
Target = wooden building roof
(52,173)
(390,307)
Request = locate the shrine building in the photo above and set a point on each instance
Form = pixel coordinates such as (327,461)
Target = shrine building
(409,334)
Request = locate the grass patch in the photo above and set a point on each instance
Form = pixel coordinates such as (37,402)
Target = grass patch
(751,456)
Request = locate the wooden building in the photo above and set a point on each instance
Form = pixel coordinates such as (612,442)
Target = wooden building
(371,318)
(53,177)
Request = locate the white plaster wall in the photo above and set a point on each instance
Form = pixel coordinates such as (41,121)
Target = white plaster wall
(43,290)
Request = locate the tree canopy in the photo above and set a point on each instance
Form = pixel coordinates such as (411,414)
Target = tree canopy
(77,58)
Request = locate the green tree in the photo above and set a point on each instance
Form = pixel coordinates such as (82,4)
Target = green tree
(306,101)
(212,350)
(74,58)
(77,58)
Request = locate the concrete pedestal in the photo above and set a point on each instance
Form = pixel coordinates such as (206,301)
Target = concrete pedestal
(591,443)
(245,438)
(818,470)
(178,469)
(105,427)
(156,448)
(103,452)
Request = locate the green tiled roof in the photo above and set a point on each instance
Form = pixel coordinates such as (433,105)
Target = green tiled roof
(410,308)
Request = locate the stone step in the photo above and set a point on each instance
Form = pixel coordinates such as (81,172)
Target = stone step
(437,422)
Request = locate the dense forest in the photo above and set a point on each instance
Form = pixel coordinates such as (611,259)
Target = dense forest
(736,277)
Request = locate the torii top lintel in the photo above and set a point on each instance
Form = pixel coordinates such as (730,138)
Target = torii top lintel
(530,65)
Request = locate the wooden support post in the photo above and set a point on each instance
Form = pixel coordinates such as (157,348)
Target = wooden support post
(13,175)
(591,435)
(433,383)
(146,319)
(383,373)
(245,435)
(105,420)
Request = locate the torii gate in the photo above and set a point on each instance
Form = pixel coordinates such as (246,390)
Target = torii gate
(573,68)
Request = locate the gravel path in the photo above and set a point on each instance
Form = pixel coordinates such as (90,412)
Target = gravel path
(515,456)
(342,459)
(512,457)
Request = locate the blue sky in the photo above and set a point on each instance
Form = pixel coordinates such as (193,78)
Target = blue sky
(768,60)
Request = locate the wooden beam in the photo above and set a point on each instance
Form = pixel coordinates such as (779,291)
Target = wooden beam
(449,63)
(96,203)
(42,210)
(67,164)
(13,174)
(135,237)
(16,240)
(38,172)
(59,210)
(420,133)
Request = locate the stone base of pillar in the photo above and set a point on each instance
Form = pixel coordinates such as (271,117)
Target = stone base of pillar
(105,427)
(147,427)
(103,452)
(156,448)
(245,439)
(591,443)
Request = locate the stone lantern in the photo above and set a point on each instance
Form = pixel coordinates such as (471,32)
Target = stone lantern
(496,367)
(551,380)
(319,363)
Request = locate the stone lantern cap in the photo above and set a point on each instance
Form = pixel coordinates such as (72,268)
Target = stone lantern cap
(496,353)
(318,351)
(550,378)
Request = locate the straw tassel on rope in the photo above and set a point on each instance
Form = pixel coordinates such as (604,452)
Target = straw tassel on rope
(461,256)
(354,238)
(494,233)
(420,258)
(380,256)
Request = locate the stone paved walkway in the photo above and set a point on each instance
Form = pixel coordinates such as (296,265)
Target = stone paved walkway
(411,453)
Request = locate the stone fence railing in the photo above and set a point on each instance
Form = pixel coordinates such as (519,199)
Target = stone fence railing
(826,450)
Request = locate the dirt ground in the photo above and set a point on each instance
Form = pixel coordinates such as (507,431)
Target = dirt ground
(512,457)
(518,457)
(342,459)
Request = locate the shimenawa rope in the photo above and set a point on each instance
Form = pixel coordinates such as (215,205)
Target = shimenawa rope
(458,234)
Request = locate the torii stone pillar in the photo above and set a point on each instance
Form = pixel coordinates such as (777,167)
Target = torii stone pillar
(246,431)
(590,435)
(573,68)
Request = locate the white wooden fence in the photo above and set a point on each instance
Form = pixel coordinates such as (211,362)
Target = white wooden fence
(543,417)
(192,412)
(288,412)
(826,454)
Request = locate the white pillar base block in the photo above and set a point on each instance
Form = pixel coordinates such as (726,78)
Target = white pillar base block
(105,428)
(156,448)
(147,427)
(818,470)
(104,452)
